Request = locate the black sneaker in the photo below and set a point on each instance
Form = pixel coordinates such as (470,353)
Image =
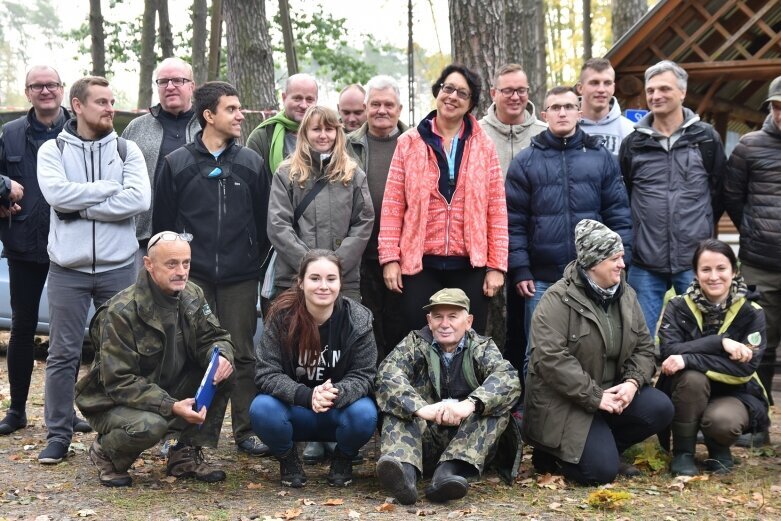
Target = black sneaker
(188,462)
(54,453)
(291,472)
(341,472)
(254,447)
(12,422)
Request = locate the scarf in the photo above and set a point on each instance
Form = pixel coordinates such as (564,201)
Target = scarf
(602,296)
(713,314)
(277,150)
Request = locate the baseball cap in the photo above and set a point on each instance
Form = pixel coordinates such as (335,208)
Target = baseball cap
(449,297)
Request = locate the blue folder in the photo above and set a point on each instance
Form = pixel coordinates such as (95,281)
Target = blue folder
(207,389)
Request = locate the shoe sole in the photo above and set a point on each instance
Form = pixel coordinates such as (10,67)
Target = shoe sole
(332,483)
(50,461)
(448,490)
(205,479)
(290,484)
(391,476)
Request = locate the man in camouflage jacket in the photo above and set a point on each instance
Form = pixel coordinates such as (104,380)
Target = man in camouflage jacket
(154,341)
(446,393)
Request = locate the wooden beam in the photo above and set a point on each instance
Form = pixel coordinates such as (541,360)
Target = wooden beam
(736,112)
(685,37)
(709,94)
(707,25)
(769,45)
(734,69)
(661,12)
(746,26)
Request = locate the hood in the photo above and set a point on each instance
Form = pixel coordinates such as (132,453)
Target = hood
(492,120)
(69,135)
(645,125)
(770,127)
(613,114)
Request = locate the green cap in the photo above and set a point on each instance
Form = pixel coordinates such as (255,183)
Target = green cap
(449,297)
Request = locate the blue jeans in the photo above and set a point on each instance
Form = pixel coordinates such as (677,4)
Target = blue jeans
(279,424)
(540,287)
(651,287)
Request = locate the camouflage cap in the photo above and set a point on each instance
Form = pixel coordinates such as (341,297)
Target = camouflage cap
(595,242)
(773,92)
(449,297)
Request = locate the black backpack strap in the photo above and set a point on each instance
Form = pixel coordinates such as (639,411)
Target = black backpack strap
(319,185)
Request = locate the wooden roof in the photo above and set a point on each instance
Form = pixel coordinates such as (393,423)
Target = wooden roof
(730,48)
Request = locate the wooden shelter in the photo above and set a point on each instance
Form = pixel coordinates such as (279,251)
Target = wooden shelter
(730,48)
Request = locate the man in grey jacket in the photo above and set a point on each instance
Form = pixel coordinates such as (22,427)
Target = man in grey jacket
(169,125)
(95,189)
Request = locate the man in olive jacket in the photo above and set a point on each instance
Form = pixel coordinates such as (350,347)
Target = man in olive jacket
(154,342)
(446,393)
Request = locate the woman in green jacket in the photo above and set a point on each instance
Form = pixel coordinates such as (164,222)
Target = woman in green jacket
(587,391)
(712,340)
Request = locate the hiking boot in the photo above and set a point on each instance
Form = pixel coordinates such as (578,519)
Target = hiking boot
(750,440)
(719,458)
(291,472)
(188,462)
(108,474)
(80,424)
(314,453)
(54,453)
(12,422)
(627,470)
(330,447)
(684,446)
(449,481)
(341,472)
(254,447)
(398,479)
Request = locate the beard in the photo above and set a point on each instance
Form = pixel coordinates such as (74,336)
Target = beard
(100,128)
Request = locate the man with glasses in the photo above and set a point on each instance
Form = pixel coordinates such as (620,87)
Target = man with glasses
(215,189)
(510,122)
(600,112)
(140,388)
(565,176)
(25,235)
(169,125)
(95,190)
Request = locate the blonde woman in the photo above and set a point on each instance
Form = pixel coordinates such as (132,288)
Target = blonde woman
(338,216)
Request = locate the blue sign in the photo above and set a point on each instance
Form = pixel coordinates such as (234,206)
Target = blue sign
(635,115)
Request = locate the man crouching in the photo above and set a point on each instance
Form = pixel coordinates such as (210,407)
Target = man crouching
(445,393)
(153,343)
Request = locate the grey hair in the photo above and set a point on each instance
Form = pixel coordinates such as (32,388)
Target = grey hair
(681,76)
(301,76)
(382,82)
(174,61)
(40,68)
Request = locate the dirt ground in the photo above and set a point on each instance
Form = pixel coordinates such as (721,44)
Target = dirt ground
(71,490)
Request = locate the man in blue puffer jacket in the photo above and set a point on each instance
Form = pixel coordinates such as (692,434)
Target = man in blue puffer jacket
(563,177)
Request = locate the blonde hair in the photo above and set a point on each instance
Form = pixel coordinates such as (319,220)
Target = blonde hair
(341,166)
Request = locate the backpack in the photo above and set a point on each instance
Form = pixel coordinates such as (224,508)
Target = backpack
(121,147)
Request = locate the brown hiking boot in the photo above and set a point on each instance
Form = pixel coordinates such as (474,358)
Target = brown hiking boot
(188,462)
(109,476)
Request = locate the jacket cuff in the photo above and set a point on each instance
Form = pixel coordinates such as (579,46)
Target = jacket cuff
(636,376)
(166,407)
(519,274)
(303,396)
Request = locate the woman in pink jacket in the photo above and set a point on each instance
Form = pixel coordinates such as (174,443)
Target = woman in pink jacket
(444,214)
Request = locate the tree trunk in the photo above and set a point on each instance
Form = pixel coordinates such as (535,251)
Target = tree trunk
(147,65)
(287,37)
(514,37)
(215,41)
(625,14)
(98,38)
(166,33)
(199,13)
(587,44)
(478,40)
(250,63)
(531,38)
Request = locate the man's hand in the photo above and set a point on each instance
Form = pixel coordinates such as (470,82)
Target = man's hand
(624,392)
(737,351)
(429,412)
(224,370)
(11,209)
(184,409)
(391,274)
(525,288)
(16,193)
(673,364)
(611,403)
(493,282)
(453,412)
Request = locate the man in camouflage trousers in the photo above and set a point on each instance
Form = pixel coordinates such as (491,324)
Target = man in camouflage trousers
(154,341)
(445,393)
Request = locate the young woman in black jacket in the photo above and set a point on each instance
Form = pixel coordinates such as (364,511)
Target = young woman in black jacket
(711,340)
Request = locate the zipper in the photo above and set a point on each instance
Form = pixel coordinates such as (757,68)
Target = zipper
(94,230)
(220,208)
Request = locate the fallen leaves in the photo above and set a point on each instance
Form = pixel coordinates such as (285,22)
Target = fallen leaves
(254,486)
(608,499)
(332,502)
(352,514)
(290,513)
(85,513)
(307,502)
(680,482)
(423,512)
(385,507)
(551,481)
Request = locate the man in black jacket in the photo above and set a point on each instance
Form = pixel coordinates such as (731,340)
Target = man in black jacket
(752,196)
(26,235)
(213,189)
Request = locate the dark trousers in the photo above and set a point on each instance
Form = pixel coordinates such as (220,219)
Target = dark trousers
(418,289)
(515,345)
(611,434)
(26,284)
(385,306)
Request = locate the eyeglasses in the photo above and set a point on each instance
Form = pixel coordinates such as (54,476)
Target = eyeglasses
(178,82)
(38,87)
(520,91)
(569,107)
(449,89)
(170,236)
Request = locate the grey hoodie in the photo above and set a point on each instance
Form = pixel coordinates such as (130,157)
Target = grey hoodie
(511,139)
(613,128)
(89,177)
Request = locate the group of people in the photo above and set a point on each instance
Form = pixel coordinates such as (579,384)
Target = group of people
(376,250)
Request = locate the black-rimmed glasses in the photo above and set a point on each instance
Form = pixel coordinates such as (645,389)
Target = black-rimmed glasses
(178,82)
(450,89)
(38,87)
